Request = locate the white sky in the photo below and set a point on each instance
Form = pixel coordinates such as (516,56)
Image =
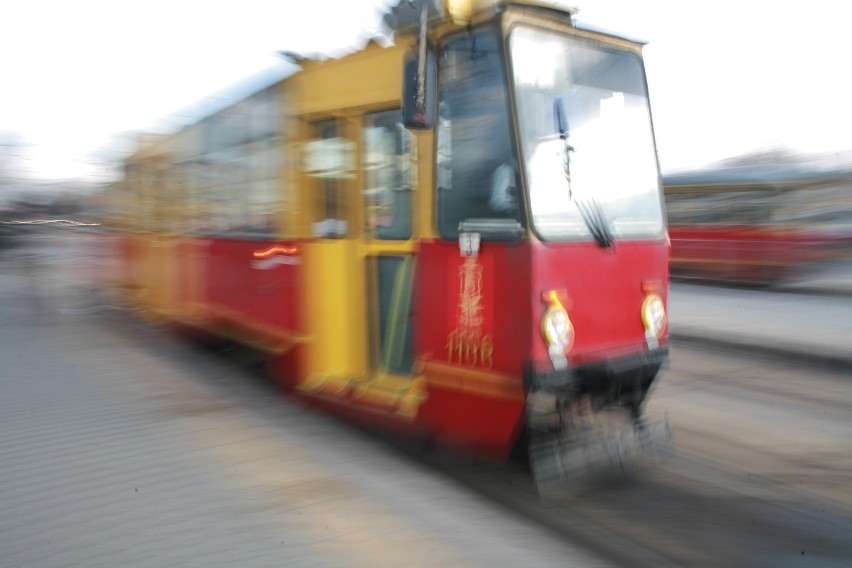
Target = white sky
(726,77)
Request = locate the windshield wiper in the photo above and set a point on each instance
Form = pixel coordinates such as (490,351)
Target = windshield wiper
(590,210)
(560,119)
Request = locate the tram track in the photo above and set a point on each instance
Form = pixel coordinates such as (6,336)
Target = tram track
(723,499)
(682,512)
(817,289)
(513,488)
(797,329)
(765,380)
(777,352)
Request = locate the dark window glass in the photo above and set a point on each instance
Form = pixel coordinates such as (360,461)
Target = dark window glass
(387,176)
(477,175)
(394,285)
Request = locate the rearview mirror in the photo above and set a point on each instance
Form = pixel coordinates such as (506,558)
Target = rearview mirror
(420,91)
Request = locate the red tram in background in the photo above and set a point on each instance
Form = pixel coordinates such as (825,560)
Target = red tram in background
(460,236)
(758,224)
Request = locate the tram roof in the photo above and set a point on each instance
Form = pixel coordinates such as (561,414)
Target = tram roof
(405,16)
(756,174)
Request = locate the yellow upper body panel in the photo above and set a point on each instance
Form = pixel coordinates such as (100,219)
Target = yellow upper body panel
(369,78)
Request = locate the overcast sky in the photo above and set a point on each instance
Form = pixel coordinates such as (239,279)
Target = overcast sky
(726,77)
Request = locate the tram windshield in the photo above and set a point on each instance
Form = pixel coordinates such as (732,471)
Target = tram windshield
(586,139)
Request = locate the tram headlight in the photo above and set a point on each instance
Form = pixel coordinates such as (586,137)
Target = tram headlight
(653,315)
(559,334)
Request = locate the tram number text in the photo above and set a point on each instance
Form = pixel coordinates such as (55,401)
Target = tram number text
(470,349)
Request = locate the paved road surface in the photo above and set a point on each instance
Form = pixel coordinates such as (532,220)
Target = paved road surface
(121,446)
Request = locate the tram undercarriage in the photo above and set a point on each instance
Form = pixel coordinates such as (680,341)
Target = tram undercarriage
(588,425)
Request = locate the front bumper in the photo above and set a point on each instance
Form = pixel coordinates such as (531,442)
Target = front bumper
(614,374)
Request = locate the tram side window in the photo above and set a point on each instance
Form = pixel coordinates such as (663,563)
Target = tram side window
(821,204)
(239,171)
(741,206)
(224,198)
(260,188)
(232,171)
(133,200)
(192,195)
(263,187)
(206,203)
(477,174)
(329,165)
(172,199)
(387,176)
(146,199)
(156,196)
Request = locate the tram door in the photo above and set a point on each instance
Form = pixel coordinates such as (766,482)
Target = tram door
(386,187)
(360,264)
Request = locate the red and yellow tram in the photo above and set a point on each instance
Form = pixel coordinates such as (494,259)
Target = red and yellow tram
(460,236)
(757,224)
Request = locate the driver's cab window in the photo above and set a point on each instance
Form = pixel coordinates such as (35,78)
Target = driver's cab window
(477,175)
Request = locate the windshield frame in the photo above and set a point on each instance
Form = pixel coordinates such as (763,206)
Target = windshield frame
(525,17)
